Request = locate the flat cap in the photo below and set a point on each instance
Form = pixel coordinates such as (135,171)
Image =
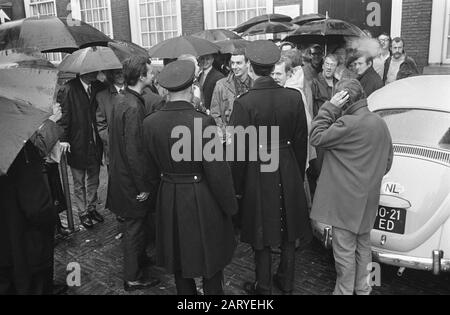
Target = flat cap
(263,53)
(177,76)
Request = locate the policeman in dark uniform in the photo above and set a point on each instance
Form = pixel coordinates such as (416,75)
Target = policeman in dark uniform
(194,197)
(273,203)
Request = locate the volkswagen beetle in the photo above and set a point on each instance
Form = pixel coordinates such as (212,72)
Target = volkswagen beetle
(412,228)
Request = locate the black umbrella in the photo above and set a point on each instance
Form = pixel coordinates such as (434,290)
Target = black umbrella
(183,45)
(305,18)
(261,19)
(27,89)
(229,46)
(50,34)
(330,33)
(125,50)
(270,28)
(216,35)
(328,27)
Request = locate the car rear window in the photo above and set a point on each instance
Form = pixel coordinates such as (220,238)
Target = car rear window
(419,127)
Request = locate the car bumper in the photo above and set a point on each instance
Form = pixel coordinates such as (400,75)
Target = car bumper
(435,263)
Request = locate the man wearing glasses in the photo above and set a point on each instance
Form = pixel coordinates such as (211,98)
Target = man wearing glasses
(385,52)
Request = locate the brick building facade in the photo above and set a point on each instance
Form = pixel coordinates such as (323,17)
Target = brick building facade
(424,24)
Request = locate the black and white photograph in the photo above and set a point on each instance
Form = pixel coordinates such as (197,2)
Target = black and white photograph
(235,151)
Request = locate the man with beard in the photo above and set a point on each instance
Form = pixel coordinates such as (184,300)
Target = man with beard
(129,186)
(399,66)
(367,75)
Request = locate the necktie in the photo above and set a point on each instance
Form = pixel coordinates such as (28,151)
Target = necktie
(89,91)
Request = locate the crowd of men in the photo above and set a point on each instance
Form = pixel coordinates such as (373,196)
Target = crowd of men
(329,142)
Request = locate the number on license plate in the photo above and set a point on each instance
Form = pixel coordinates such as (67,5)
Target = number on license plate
(391,220)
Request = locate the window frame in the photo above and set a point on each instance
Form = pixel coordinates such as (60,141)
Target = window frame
(446,44)
(75,6)
(28,4)
(135,21)
(55,58)
(210,12)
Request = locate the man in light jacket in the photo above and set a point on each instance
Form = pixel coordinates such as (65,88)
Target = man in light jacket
(358,153)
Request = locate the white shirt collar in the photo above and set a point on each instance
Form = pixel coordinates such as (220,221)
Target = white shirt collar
(86,86)
(119,88)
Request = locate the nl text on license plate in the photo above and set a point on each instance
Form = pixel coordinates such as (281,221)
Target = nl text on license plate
(391,220)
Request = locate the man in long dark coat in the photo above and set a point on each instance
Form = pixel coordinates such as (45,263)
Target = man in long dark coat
(274,210)
(195,198)
(80,140)
(129,185)
(27,226)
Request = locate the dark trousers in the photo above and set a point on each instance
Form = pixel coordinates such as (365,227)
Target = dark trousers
(135,243)
(40,283)
(285,273)
(211,286)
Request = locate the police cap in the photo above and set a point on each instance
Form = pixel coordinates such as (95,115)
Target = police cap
(263,53)
(177,76)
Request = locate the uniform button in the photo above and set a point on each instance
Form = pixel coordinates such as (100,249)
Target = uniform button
(289,142)
(260,146)
(162,175)
(195,178)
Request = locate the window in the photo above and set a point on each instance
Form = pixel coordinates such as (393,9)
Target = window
(228,14)
(96,13)
(43,8)
(447,35)
(158,21)
(231,13)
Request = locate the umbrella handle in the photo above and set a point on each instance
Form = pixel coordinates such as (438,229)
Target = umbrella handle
(65,180)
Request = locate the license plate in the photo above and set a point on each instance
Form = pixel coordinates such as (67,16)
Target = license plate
(391,220)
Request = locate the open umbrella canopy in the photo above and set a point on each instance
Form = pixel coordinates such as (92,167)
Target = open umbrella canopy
(270,28)
(27,94)
(229,46)
(18,122)
(50,34)
(91,59)
(183,45)
(125,50)
(328,27)
(305,18)
(261,19)
(216,35)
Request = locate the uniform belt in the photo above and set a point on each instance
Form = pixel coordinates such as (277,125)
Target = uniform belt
(181,178)
(276,145)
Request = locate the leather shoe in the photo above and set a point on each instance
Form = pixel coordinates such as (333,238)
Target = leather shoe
(96,216)
(278,285)
(86,221)
(140,285)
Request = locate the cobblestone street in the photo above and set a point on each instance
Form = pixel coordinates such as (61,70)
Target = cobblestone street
(99,254)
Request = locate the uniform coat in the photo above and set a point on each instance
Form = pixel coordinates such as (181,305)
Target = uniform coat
(209,86)
(194,232)
(79,122)
(264,194)
(128,172)
(358,153)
